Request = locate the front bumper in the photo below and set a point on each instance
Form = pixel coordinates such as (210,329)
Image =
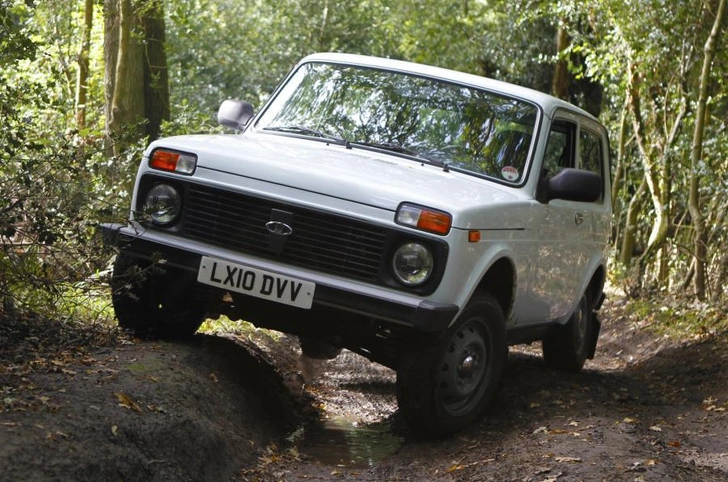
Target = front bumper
(331,294)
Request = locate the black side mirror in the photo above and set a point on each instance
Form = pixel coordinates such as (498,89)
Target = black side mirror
(235,114)
(575,185)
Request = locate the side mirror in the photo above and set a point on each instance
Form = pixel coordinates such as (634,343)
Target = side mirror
(575,185)
(235,114)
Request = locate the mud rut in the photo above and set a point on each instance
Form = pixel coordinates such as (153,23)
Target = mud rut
(217,408)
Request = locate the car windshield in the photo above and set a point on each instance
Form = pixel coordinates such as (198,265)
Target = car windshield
(466,128)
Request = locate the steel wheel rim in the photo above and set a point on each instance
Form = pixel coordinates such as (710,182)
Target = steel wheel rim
(464,369)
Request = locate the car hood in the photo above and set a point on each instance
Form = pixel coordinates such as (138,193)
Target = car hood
(355,174)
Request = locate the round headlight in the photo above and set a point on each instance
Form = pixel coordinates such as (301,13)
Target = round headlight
(412,264)
(162,204)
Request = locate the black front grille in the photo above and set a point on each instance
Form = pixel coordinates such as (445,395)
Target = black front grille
(320,241)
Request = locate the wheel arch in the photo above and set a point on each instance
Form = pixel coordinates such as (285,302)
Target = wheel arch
(595,286)
(500,281)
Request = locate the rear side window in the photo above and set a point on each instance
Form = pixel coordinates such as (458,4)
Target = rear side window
(590,150)
(591,156)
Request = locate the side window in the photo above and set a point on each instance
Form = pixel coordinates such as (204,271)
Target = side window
(559,147)
(590,152)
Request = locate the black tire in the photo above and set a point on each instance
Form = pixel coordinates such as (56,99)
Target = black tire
(445,382)
(569,346)
(318,350)
(156,300)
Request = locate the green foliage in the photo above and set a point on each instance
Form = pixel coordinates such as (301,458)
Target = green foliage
(15,34)
(677,318)
(56,182)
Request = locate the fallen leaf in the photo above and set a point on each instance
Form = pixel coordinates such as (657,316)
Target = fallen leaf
(656,428)
(127,402)
(114,429)
(213,377)
(541,430)
(455,468)
(675,443)
(569,460)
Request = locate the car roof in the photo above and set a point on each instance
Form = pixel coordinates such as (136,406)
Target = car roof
(548,102)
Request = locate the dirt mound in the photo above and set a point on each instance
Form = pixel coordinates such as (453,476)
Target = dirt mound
(194,410)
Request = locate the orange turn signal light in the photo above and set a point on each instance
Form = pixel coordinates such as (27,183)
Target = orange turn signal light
(426,219)
(173,161)
(435,222)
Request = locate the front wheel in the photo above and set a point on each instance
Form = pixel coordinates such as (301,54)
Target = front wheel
(568,347)
(156,300)
(445,382)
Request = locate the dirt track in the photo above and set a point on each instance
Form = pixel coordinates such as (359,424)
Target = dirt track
(223,409)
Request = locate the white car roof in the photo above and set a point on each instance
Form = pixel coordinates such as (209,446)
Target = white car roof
(547,102)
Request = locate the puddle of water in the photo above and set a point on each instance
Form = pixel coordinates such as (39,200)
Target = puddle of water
(342,442)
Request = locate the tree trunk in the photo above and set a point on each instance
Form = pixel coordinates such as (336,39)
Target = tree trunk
(83,68)
(560,82)
(696,154)
(111,54)
(630,230)
(127,105)
(619,168)
(655,157)
(156,77)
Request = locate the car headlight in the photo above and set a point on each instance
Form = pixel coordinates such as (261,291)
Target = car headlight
(162,204)
(412,264)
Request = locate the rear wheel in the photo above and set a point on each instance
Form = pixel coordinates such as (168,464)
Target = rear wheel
(156,300)
(569,346)
(446,381)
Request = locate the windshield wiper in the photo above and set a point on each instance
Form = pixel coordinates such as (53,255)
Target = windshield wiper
(307,131)
(389,146)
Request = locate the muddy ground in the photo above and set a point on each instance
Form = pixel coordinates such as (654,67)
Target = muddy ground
(88,403)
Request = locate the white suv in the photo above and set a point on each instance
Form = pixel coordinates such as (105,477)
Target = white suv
(424,218)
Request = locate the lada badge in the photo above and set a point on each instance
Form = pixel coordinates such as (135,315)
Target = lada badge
(278,228)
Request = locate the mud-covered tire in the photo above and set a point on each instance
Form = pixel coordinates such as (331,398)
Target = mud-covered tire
(446,381)
(318,350)
(568,347)
(154,300)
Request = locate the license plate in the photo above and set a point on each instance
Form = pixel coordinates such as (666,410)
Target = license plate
(256,282)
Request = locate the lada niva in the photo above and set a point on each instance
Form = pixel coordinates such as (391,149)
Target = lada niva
(421,217)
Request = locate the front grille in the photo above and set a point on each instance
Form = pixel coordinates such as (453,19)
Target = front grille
(323,242)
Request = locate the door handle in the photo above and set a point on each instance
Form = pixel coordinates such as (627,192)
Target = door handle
(578,218)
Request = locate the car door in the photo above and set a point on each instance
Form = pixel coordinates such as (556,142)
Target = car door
(569,231)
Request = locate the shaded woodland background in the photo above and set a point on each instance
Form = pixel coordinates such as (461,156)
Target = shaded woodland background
(85,85)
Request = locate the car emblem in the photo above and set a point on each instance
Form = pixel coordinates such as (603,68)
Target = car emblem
(278,228)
